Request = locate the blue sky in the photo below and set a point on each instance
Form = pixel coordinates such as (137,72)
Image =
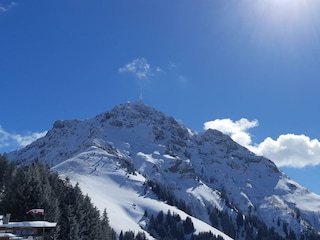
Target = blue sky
(248,68)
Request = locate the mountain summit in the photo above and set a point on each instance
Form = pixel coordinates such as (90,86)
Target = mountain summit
(129,158)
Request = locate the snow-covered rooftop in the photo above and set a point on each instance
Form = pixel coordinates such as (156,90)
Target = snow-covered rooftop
(29,224)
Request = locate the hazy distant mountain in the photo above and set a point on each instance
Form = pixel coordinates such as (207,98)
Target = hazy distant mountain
(135,159)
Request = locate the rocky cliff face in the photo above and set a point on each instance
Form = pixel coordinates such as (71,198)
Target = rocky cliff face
(205,169)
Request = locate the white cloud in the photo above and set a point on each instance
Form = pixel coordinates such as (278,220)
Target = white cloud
(158,69)
(12,141)
(288,150)
(8,7)
(139,67)
(237,130)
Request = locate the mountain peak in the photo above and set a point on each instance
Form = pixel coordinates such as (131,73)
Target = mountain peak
(207,169)
(135,110)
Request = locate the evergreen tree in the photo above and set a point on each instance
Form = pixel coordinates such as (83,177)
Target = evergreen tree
(74,228)
(160,217)
(188,226)
(6,171)
(36,186)
(213,216)
(121,235)
(128,235)
(140,236)
(106,231)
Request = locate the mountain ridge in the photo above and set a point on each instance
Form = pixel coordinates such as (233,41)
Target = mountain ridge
(205,169)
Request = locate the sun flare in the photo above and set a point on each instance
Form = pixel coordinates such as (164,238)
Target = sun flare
(290,23)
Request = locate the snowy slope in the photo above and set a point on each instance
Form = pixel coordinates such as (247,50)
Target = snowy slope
(123,195)
(204,169)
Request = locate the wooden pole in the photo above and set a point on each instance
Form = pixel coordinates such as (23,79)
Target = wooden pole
(43,227)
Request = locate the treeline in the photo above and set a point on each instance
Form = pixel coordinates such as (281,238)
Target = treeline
(244,227)
(171,226)
(238,227)
(165,194)
(252,228)
(36,186)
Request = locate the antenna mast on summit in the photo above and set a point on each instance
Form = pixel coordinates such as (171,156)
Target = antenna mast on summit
(140,97)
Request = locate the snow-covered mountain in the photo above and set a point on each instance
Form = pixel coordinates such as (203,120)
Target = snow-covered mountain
(117,154)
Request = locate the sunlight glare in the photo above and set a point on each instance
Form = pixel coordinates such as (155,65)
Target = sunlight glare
(290,23)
